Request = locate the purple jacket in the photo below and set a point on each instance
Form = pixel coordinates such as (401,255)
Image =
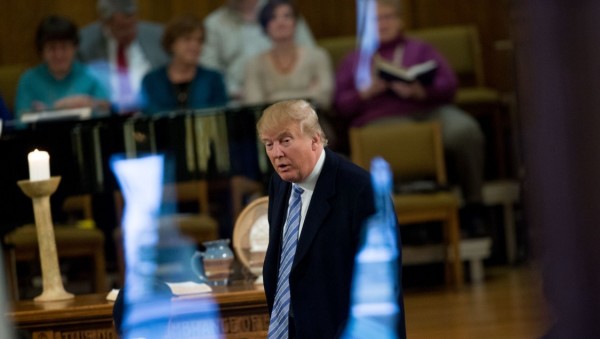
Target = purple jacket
(360,112)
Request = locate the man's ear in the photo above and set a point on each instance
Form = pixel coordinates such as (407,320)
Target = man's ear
(316,140)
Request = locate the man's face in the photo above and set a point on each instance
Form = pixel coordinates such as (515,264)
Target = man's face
(123,27)
(389,24)
(292,153)
(59,56)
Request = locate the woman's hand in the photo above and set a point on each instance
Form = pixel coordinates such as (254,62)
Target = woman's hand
(413,90)
(38,106)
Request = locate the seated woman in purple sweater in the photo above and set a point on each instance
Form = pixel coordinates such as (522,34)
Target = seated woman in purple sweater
(382,100)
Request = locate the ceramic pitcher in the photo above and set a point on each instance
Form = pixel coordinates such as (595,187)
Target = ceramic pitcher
(213,265)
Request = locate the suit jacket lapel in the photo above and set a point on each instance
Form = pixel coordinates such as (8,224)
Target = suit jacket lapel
(280,213)
(319,206)
(277,214)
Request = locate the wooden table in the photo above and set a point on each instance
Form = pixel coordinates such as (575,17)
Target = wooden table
(244,313)
(86,316)
(243,310)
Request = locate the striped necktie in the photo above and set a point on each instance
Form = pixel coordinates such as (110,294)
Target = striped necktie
(278,327)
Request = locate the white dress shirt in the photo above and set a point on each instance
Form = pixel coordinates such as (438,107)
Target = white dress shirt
(137,66)
(308,186)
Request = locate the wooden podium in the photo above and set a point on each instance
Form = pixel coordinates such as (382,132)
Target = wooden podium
(243,308)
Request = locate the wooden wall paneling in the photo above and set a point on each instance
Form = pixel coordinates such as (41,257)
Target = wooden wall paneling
(329,18)
(159,11)
(491,19)
(4,29)
(407,13)
(19,21)
(200,9)
(502,53)
(82,12)
(426,13)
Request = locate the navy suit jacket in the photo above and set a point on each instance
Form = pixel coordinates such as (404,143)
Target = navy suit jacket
(322,271)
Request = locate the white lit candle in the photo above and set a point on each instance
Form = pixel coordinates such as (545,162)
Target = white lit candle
(39,165)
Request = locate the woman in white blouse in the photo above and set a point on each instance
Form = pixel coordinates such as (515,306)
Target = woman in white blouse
(288,70)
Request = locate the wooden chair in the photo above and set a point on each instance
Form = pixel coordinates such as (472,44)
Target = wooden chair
(71,242)
(415,151)
(461,46)
(338,47)
(78,207)
(198,226)
(242,188)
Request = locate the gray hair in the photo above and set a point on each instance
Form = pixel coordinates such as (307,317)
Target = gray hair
(106,8)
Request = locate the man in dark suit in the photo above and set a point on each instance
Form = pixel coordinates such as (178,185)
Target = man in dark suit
(308,294)
(121,49)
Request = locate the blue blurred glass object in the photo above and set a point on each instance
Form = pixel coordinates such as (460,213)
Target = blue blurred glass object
(368,41)
(144,306)
(147,310)
(374,310)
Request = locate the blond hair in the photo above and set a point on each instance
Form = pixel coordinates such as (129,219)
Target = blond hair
(285,112)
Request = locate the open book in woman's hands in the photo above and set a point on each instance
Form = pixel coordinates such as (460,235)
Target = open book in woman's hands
(423,72)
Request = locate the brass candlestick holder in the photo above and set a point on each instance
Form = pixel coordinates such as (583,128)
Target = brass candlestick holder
(40,192)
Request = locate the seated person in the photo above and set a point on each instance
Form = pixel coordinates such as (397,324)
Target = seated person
(382,100)
(59,82)
(233,35)
(182,83)
(121,50)
(287,70)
